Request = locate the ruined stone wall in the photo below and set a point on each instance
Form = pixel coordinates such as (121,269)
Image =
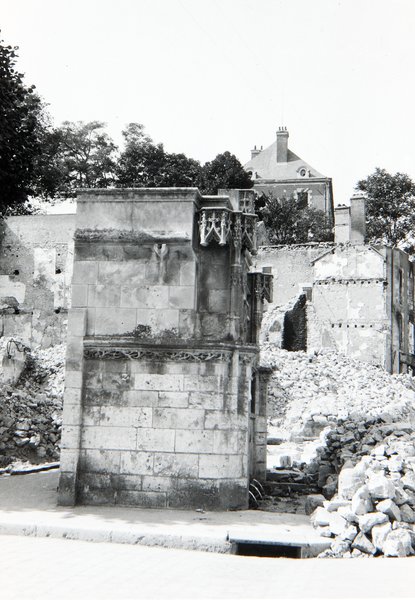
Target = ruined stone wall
(349,300)
(36,255)
(157,399)
(291,267)
(362,299)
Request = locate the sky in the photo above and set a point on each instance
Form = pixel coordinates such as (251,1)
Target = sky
(205,76)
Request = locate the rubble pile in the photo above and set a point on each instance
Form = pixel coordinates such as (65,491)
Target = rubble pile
(361,423)
(31,409)
(312,391)
(373,511)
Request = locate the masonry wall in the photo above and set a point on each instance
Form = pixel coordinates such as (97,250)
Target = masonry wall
(292,268)
(163,433)
(36,255)
(157,402)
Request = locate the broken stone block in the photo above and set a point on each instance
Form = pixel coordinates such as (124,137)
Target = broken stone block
(348,533)
(330,488)
(361,501)
(369,520)
(335,503)
(379,450)
(324,531)
(339,547)
(347,513)
(398,543)
(349,482)
(408,481)
(401,496)
(312,502)
(388,507)
(379,535)
(395,464)
(320,517)
(362,543)
(380,487)
(407,514)
(337,523)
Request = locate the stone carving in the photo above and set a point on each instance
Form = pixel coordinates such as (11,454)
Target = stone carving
(262,285)
(118,353)
(161,251)
(214,224)
(219,225)
(248,358)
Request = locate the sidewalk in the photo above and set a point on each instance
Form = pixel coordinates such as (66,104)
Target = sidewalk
(28,507)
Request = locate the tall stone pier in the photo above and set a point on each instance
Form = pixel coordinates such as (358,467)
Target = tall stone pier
(165,405)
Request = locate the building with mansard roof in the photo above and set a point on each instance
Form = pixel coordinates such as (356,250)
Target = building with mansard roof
(278,170)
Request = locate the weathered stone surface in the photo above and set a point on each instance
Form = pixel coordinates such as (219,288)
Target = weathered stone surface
(312,502)
(362,543)
(380,487)
(320,517)
(369,520)
(398,543)
(335,503)
(349,482)
(349,533)
(379,535)
(408,481)
(389,508)
(361,501)
(407,514)
(339,547)
(337,523)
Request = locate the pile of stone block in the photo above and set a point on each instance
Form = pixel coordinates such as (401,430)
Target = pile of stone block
(310,392)
(372,512)
(31,409)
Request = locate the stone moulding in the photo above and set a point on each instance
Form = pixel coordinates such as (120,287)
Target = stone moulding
(114,353)
(118,235)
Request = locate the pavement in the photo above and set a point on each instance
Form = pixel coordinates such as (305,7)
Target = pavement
(28,507)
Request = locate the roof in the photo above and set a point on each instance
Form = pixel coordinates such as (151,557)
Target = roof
(265,166)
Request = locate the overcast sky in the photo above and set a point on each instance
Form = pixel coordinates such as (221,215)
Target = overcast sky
(205,76)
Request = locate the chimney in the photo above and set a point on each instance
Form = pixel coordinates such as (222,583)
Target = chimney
(358,219)
(255,152)
(350,222)
(282,145)
(342,224)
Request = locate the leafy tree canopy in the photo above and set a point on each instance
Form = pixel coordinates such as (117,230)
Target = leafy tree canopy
(76,155)
(22,123)
(145,164)
(286,222)
(225,171)
(390,209)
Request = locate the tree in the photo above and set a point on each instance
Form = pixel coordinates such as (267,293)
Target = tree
(225,171)
(287,223)
(145,164)
(390,208)
(74,155)
(22,121)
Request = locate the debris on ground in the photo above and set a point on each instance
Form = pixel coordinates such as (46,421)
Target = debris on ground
(343,435)
(31,409)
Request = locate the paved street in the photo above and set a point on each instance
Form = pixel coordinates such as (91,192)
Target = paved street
(60,569)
